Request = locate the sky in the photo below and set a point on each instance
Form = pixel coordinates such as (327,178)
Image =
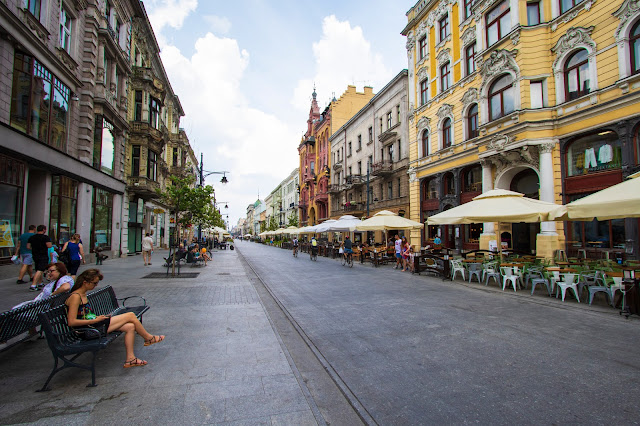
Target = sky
(244,71)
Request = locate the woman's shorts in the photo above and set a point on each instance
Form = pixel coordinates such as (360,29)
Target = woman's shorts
(72,267)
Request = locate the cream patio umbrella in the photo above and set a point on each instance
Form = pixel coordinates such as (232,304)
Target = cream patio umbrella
(324,226)
(616,202)
(386,221)
(496,205)
(291,230)
(346,223)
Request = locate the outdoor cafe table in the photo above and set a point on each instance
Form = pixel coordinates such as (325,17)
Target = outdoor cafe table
(513,265)
(561,270)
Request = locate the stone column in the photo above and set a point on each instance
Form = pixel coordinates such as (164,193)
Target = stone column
(546,184)
(547,241)
(488,228)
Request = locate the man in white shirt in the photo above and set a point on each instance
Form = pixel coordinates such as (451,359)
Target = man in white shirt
(147,249)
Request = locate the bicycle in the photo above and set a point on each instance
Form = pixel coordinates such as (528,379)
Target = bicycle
(295,251)
(313,255)
(347,259)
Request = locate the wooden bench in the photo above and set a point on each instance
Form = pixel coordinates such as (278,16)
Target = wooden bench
(24,319)
(65,343)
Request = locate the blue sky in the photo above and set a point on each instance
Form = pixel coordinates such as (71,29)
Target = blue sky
(244,72)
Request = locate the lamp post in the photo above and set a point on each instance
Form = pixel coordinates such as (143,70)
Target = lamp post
(204,174)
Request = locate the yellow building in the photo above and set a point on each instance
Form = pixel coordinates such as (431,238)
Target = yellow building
(314,151)
(540,97)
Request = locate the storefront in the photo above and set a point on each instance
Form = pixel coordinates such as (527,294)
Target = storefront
(11,195)
(102,219)
(64,206)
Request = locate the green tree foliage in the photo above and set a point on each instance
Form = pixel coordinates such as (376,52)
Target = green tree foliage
(273,225)
(292,220)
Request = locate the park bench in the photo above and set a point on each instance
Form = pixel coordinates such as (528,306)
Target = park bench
(65,343)
(21,322)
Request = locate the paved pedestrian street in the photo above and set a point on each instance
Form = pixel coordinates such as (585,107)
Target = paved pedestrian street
(260,337)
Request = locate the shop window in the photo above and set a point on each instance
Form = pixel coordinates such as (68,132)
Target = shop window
(103,146)
(11,190)
(472,233)
(64,203)
(446,133)
(39,102)
(102,219)
(498,23)
(470,58)
(606,234)
(634,47)
(593,153)
(576,75)
(472,122)
(425,143)
(565,5)
(472,180)
(501,97)
(422,46)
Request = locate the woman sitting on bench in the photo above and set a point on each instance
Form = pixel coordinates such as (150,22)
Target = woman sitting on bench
(59,282)
(80,315)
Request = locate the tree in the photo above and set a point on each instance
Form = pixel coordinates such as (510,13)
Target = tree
(273,225)
(189,205)
(292,220)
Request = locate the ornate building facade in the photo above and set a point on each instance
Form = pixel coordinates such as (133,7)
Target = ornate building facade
(537,97)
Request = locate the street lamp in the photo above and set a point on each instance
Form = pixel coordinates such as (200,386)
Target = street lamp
(204,174)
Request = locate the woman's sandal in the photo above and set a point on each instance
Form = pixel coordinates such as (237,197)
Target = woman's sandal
(135,363)
(154,339)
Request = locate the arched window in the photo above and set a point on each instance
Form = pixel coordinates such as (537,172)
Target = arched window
(576,75)
(430,189)
(472,122)
(449,184)
(501,97)
(446,133)
(634,47)
(425,143)
(472,180)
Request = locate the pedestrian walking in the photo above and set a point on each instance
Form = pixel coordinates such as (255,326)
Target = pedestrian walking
(398,249)
(25,255)
(76,254)
(147,249)
(39,244)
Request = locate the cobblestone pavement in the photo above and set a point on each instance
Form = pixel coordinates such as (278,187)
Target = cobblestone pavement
(419,350)
(222,360)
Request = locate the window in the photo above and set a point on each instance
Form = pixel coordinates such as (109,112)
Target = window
(537,94)
(370,134)
(64,203)
(446,133)
(399,151)
(381,192)
(423,92)
(444,27)
(425,143)
(594,153)
(501,97)
(33,6)
(137,115)
(135,160)
(65,29)
(154,113)
(568,4)
(472,180)
(449,184)
(634,46)
(445,74)
(102,217)
(422,45)
(103,146)
(398,112)
(175,162)
(39,102)
(381,125)
(389,120)
(152,166)
(399,187)
(470,58)
(359,142)
(576,75)
(533,13)
(12,180)
(349,151)
(468,8)
(390,151)
(472,121)
(360,168)
(389,190)
(498,22)
(430,190)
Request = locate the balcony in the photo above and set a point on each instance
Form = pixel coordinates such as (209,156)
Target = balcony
(355,180)
(143,187)
(322,197)
(335,188)
(382,168)
(337,166)
(389,135)
(309,177)
(303,205)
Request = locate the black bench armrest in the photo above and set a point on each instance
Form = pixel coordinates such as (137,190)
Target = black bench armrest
(123,301)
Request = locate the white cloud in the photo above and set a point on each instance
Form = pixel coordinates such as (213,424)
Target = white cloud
(171,13)
(219,25)
(343,56)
